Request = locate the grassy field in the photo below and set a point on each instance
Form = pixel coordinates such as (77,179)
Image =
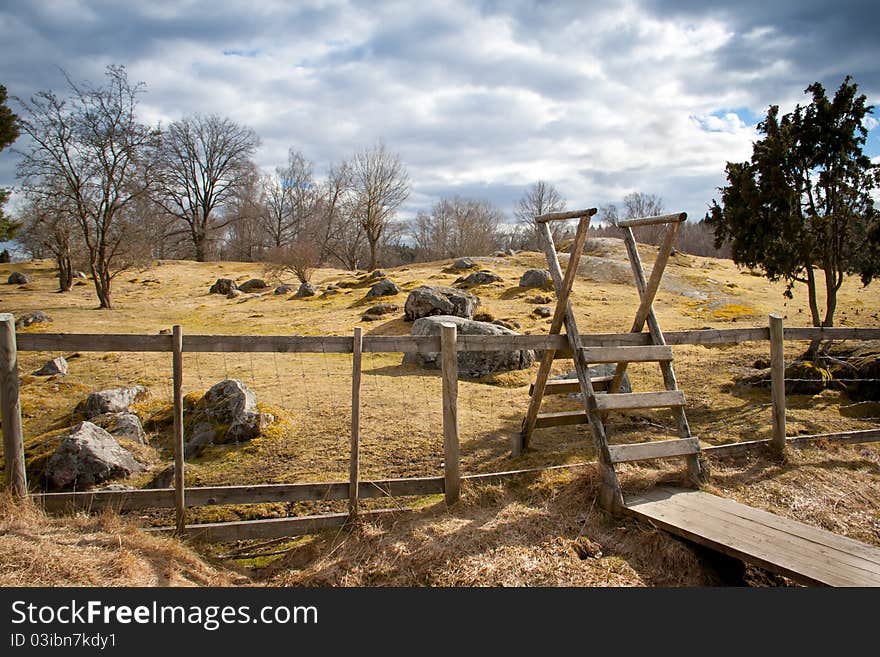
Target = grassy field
(310,396)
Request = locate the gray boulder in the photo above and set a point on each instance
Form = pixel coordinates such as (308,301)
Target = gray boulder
(122,425)
(284,289)
(543,311)
(427,300)
(223,286)
(18,278)
(378,273)
(536,278)
(464,263)
(246,426)
(306,290)
(115,400)
(253,284)
(227,400)
(384,288)
(201,436)
(35,317)
(473,364)
(479,278)
(57,365)
(88,455)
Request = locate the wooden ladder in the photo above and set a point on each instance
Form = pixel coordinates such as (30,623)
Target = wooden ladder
(595,407)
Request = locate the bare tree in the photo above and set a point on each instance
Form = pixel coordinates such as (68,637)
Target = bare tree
(541,198)
(246,239)
(290,197)
(381,185)
(639,204)
(50,227)
(333,210)
(298,258)
(204,160)
(457,227)
(92,154)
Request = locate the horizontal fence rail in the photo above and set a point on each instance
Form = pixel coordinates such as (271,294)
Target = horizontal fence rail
(403,344)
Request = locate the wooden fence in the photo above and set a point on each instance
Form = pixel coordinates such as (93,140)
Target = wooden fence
(447,345)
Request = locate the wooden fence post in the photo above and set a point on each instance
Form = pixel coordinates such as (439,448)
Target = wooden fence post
(449,364)
(10,409)
(356,358)
(777,382)
(179,467)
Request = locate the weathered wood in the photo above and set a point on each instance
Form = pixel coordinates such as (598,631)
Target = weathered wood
(610,497)
(845,437)
(562,216)
(646,305)
(627,354)
(269,343)
(93,342)
(219,532)
(561,418)
(571,386)
(563,306)
(654,450)
(449,372)
(163,498)
(500,477)
(676,217)
(831,333)
(354,457)
(10,410)
(179,464)
(634,400)
(777,381)
(806,554)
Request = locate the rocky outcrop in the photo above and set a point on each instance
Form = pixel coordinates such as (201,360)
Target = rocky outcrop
(471,364)
(253,284)
(35,317)
(428,300)
(223,286)
(478,278)
(536,278)
(377,312)
(464,263)
(18,278)
(87,456)
(114,400)
(384,288)
(122,425)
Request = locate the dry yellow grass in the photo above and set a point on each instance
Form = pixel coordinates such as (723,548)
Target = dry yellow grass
(523,534)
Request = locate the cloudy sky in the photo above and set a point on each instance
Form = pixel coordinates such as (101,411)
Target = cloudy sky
(479,98)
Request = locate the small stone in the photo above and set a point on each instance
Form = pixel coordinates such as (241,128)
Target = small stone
(36,317)
(479,278)
(55,366)
(305,290)
(253,284)
(383,289)
(536,278)
(223,286)
(284,289)
(464,263)
(543,311)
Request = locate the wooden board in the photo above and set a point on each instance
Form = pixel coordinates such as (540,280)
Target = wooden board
(561,418)
(572,386)
(678,217)
(658,449)
(626,354)
(804,553)
(625,401)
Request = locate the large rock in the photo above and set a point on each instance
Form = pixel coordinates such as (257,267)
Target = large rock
(88,455)
(479,278)
(57,365)
(384,288)
(305,290)
(427,300)
(227,400)
(115,400)
(36,317)
(223,286)
(122,425)
(471,364)
(536,278)
(284,289)
(253,284)
(18,278)
(464,263)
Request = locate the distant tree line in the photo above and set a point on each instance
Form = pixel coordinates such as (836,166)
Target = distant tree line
(104,192)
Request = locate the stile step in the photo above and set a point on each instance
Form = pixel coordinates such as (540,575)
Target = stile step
(572,386)
(633,400)
(655,450)
(641,354)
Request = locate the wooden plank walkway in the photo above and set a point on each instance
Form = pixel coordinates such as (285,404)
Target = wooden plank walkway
(806,554)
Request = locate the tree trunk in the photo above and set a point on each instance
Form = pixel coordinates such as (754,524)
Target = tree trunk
(813,349)
(65,273)
(102,287)
(373,245)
